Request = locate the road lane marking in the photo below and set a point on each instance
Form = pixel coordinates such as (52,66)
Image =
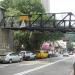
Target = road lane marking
(29,63)
(43,66)
(33,63)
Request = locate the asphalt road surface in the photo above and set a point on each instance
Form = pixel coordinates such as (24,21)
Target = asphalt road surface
(50,66)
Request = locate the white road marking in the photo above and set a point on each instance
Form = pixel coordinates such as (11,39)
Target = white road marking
(29,63)
(32,63)
(40,67)
(3,66)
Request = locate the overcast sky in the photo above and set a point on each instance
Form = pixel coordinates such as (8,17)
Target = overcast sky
(62,6)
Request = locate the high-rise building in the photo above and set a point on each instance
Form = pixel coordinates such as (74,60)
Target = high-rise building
(46,4)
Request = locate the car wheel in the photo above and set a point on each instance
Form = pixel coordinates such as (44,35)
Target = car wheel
(3,62)
(49,55)
(21,59)
(35,58)
(10,61)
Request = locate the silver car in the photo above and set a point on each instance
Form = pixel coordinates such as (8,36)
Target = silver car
(10,57)
(27,55)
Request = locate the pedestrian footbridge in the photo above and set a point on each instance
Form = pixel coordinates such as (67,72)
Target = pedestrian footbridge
(64,22)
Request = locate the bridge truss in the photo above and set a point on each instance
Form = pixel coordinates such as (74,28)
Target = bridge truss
(64,22)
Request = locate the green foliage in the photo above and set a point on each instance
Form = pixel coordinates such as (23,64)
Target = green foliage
(33,40)
(56,35)
(24,6)
(30,40)
(22,38)
(9,3)
(36,40)
(69,45)
(12,12)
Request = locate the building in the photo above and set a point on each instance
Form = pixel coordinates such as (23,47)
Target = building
(46,4)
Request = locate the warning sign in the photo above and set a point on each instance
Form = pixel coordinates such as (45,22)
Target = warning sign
(23,24)
(25,18)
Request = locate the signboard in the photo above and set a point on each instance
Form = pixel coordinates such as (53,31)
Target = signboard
(23,24)
(25,18)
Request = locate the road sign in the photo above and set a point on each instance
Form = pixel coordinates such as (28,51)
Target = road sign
(23,24)
(25,18)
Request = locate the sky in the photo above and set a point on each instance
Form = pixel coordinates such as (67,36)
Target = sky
(62,6)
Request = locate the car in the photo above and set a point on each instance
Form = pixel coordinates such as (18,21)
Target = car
(50,54)
(65,54)
(10,57)
(27,55)
(70,53)
(41,54)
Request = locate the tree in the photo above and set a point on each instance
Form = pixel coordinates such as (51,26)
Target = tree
(24,6)
(70,36)
(12,12)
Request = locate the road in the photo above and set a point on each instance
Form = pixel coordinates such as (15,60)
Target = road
(50,66)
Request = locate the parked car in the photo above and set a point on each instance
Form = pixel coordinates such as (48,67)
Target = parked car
(71,53)
(10,57)
(41,53)
(50,54)
(27,55)
(65,54)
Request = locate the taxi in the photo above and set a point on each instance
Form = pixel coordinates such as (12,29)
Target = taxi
(41,53)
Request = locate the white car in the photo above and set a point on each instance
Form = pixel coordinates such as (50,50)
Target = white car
(70,53)
(65,54)
(27,55)
(10,57)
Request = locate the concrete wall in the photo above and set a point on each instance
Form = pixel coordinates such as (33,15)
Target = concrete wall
(3,38)
(1,14)
(6,39)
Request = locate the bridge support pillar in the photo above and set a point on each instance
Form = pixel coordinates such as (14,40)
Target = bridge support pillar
(6,39)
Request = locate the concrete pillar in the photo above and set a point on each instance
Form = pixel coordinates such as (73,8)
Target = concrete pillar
(10,39)
(6,39)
